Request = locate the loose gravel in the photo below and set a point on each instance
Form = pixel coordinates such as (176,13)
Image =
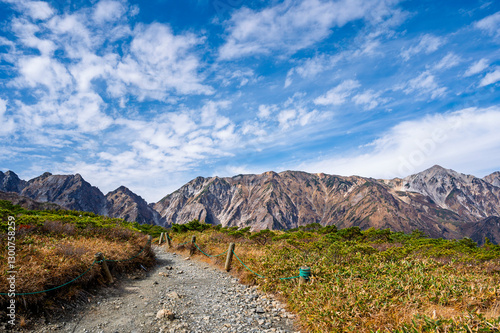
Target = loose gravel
(180,296)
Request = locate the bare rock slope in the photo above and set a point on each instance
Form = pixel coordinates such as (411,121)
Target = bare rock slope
(437,201)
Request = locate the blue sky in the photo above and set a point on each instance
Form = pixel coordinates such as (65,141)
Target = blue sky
(151,94)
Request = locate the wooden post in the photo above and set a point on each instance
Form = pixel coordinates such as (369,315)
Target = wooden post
(229,257)
(100,257)
(168,240)
(193,247)
(148,245)
(161,237)
(305,273)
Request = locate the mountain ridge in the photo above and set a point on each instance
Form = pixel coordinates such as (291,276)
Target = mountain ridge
(438,201)
(74,193)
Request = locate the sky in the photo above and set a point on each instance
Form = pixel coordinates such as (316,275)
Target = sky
(151,94)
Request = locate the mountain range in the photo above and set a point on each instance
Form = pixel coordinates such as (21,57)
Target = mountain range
(438,201)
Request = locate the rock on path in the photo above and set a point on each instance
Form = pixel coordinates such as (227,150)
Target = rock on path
(200,297)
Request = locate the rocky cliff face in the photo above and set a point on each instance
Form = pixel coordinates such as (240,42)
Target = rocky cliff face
(488,227)
(470,197)
(28,203)
(73,192)
(10,182)
(69,191)
(290,199)
(438,201)
(493,179)
(129,206)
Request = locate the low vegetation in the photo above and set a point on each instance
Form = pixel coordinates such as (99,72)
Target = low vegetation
(54,247)
(365,281)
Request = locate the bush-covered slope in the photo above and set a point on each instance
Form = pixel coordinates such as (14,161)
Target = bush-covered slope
(366,281)
(53,247)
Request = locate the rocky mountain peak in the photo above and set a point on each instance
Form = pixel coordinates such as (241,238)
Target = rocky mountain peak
(69,191)
(493,179)
(467,195)
(10,182)
(124,203)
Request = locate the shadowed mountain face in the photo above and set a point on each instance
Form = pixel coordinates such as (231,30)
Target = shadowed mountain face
(129,206)
(28,203)
(10,182)
(69,191)
(74,193)
(488,227)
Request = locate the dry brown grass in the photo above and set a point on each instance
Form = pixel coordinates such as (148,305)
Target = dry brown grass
(364,292)
(55,253)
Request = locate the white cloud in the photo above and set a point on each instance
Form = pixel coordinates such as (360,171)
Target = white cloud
(339,94)
(266,110)
(490,78)
(369,99)
(424,84)
(490,24)
(427,44)
(293,25)
(160,62)
(312,67)
(286,116)
(450,60)
(107,11)
(26,31)
(7,122)
(43,70)
(449,139)
(37,10)
(239,76)
(477,67)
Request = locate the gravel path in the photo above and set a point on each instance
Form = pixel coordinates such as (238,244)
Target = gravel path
(200,297)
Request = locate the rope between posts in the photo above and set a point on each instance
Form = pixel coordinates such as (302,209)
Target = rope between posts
(247,266)
(304,274)
(39,292)
(284,278)
(79,276)
(208,255)
(122,260)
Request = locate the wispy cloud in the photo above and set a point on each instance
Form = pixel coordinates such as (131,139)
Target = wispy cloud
(450,60)
(369,99)
(447,139)
(424,84)
(339,94)
(490,78)
(490,24)
(290,26)
(477,67)
(427,44)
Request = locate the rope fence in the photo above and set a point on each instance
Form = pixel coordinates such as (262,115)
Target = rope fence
(304,272)
(96,261)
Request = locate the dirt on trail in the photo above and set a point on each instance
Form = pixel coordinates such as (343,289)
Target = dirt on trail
(177,295)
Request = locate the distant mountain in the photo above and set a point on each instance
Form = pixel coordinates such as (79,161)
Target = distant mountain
(488,227)
(10,182)
(470,197)
(129,206)
(438,201)
(441,202)
(28,203)
(74,193)
(493,179)
(69,191)
(290,199)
